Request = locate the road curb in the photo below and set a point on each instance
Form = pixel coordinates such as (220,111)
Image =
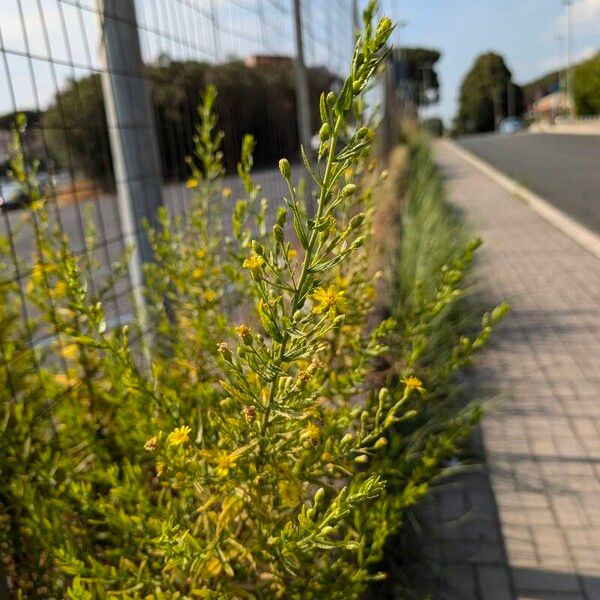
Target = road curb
(577,232)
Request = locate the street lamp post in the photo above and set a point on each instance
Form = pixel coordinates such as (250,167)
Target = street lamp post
(568,74)
(561,74)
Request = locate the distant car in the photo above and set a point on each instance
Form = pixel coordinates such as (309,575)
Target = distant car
(14,196)
(510,125)
(10,195)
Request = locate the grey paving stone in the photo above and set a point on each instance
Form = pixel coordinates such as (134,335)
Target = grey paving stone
(542,436)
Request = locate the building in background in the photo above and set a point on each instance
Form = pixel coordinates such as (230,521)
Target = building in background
(549,107)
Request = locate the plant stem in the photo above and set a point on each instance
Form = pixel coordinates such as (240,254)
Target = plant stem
(298,293)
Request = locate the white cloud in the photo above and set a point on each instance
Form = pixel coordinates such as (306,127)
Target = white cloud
(585,16)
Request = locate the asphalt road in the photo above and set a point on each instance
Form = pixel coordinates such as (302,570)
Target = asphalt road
(562,169)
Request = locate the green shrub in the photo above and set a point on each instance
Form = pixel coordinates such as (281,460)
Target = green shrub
(259,460)
(434,126)
(586,85)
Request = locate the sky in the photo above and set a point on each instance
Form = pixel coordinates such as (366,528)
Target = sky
(43,43)
(524,32)
(61,42)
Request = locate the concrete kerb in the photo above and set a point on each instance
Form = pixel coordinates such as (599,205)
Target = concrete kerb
(577,232)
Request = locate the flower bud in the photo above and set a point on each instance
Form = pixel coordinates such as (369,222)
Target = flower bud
(278,233)
(319,496)
(337,322)
(357,221)
(331,99)
(285,168)
(224,350)
(347,439)
(384,394)
(327,530)
(324,132)
(258,248)
(281,216)
(361,459)
(381,442)
(348,190)
(384,28)
(358,242)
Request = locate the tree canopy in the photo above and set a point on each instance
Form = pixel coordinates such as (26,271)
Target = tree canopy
(416,74)
(586,87)
(487,95)
(259,100)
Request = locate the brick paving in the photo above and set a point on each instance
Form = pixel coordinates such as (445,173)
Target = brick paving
(542,432)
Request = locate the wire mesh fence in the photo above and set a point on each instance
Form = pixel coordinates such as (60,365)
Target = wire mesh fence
(110,90)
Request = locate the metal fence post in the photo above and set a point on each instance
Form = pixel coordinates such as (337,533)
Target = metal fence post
(132,132)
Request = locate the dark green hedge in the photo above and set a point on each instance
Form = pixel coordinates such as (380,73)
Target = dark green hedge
(259,100)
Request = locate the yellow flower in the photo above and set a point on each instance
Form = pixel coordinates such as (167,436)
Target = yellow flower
(60,289)
(37,274)
(40,268)
(291,254)
(254,263)
(210,296)
(150,445)
(227,192)
(198,273)
(242,330)
(67,379)
(330,300)
(289,492)
(413,383)
(213,567)
(179,436)
(311,434)
(342,282)
(70,351)
(191,183)
(222,461)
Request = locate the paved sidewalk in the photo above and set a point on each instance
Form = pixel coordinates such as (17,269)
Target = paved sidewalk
(542,435)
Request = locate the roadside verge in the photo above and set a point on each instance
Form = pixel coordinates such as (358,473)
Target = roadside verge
(577,232)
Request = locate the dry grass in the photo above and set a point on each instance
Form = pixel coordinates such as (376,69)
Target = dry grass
(387,223)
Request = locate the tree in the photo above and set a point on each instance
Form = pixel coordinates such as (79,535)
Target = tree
(76,130)
(434,126)
(586,88)
(259,100)
(487,95)
(416,76)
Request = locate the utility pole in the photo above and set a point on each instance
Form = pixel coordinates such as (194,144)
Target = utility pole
(214,26)
(568,74)
(302,95)
(132,133)
(561,83)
